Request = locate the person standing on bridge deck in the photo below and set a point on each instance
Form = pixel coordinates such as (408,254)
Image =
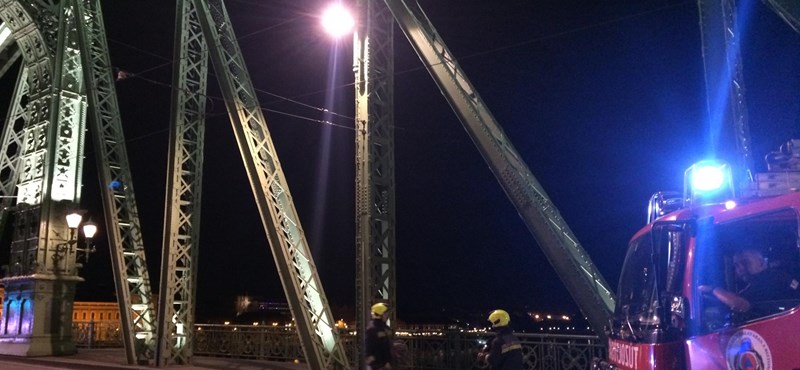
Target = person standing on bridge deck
(505,351)
(378,340)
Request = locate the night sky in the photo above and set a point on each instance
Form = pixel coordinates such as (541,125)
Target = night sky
(605,101)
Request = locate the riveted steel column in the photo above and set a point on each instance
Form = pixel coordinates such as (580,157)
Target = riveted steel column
(373,64)
(184,179)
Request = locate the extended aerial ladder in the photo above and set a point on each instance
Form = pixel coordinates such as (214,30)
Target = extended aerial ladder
(725,89)
(727,110)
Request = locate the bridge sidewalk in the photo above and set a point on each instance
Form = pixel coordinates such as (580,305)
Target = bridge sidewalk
(114,358)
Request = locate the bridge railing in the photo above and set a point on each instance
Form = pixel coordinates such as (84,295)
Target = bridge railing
(94,334)
(426,350)
(245,341)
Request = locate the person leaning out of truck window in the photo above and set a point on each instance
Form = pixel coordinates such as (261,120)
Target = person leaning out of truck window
(762,283)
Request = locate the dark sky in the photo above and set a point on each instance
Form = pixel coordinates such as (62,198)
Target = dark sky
(605,101)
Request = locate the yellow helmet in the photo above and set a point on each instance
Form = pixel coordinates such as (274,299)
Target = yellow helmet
(499,318)
(378,309)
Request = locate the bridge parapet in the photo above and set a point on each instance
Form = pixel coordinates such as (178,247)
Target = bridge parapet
(427,349)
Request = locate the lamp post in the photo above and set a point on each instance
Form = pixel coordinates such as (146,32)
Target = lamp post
(89,228)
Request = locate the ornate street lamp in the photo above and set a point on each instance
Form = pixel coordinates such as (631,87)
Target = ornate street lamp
(89,230)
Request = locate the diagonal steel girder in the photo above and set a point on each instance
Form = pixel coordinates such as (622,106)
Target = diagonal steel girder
(571,262)
(179,259)
(132,281)
(788,10)
(315,325)
(17,119)
(9,51)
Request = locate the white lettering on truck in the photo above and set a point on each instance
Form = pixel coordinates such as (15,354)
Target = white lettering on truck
(625,355)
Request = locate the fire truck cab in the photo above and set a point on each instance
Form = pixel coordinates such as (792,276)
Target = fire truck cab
(678,301)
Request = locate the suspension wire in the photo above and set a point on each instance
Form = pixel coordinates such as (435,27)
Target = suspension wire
(397,73)
(552,36)
(217,98)
(213,98)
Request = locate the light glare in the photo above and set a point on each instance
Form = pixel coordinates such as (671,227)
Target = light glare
(337,20)
(707,178)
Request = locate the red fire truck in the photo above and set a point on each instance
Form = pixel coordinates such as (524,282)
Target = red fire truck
(671,313)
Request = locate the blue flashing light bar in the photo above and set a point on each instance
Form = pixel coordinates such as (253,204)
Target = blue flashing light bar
(708,182)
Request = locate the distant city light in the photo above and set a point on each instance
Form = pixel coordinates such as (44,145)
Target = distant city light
(730,204)
(337,20)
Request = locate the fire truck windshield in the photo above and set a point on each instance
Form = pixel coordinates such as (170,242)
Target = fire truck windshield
(692,277)
(650,283)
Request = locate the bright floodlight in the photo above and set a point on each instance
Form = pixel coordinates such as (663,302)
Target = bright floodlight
(707,178)
(337,20)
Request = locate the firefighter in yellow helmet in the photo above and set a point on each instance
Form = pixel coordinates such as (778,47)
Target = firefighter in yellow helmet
(378,339)
(505,351)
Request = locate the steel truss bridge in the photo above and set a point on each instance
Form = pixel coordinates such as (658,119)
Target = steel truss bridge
(65,87)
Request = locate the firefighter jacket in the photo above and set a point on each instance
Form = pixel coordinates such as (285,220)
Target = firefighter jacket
(505,352)
(378,338)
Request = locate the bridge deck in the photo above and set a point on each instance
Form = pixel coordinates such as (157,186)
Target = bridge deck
(114,358)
